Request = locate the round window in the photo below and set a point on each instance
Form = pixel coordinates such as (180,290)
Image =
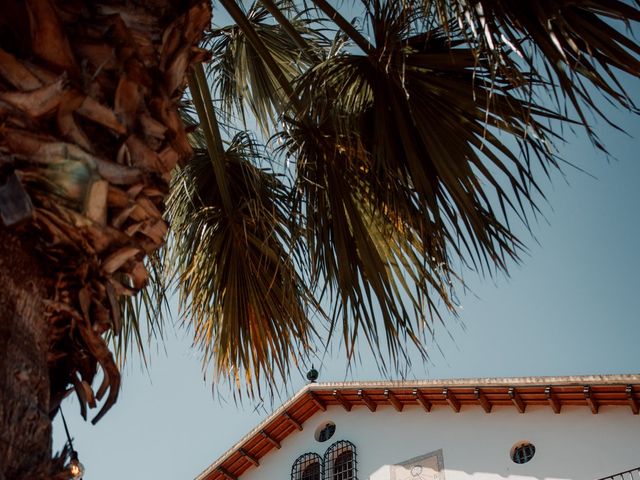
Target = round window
(523,452)
(325,431)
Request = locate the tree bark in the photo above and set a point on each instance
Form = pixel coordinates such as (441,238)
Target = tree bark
(89,134)
(25,427)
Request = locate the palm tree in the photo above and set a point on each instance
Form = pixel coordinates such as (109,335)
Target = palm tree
(90,132)
(413,140)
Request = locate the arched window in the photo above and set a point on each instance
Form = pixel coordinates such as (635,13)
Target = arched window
(307,467)
(340,461)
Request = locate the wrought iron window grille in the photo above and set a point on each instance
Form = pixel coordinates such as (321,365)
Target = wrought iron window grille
(307,466)
(340,462)
(523,453)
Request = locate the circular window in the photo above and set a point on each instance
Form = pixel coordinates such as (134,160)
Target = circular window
(325,431)
(523,452)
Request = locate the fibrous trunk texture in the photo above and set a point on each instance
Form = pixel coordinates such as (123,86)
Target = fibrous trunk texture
(25,428)
(89,131)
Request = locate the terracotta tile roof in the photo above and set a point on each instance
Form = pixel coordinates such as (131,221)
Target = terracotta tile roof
(591,392)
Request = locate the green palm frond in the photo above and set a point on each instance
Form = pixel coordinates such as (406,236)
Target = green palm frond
(413,149)
(574,43)
(434,122)
(341,248)
(241,76)
(401,165)
(381,283)
(244,294)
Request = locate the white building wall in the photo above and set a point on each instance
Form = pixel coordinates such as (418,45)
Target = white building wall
(574,444)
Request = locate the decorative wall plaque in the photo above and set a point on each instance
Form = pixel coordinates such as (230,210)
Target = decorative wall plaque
(425,467)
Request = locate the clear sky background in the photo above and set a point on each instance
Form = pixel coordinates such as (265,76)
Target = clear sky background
(572,307)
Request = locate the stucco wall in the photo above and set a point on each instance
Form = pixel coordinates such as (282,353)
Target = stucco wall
(574,444)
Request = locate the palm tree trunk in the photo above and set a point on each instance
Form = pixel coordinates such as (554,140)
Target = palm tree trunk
(89,134)
(25,427)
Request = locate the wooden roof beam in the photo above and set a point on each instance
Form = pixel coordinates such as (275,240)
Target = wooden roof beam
(420,398)
(451,399)
(249,457)
(346,404)
(371,405)
(227,474)
(591,401)
(482,399)
(316,399)
(270,439)
(393,400)
(552,399)
(517,400)
(296,423)
(633,401)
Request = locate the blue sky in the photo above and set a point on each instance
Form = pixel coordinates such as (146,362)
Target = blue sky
(571,307)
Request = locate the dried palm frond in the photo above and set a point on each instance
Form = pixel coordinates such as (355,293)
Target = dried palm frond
(144,314)
(92,140)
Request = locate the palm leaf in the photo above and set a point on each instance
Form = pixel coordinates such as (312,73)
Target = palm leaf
(410,158)
(242,75)
(141,319)
(400,169)
(575,43)
(245,298)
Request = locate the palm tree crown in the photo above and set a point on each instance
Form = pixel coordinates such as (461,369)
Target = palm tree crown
(400,148)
